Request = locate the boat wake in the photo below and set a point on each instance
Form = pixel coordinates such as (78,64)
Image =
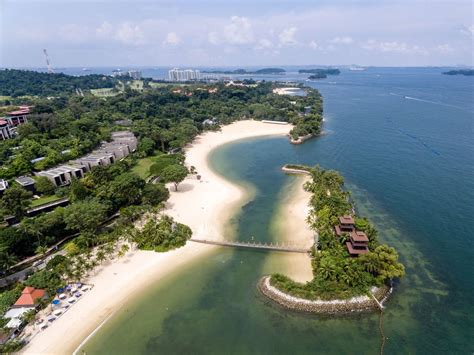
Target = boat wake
(430,102)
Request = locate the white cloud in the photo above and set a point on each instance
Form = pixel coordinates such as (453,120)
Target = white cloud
(287,36)
(126,32)
(444,48)
(213,38)
(394,47)
(172,39)
(239,31)
(264,44)
(129,33)
(314,45)
(341,40)
(75,33)
(467,30)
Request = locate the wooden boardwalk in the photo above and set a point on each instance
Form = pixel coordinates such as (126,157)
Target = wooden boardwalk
(253,245)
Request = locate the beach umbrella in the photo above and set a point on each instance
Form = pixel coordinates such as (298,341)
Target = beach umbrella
(56,302)
(57,312)
(71,300)
(62,296)
(78,294)
(51,318)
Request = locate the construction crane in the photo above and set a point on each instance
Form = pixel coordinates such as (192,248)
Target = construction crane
(48,64)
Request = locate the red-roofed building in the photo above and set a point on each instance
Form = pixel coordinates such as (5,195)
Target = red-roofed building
(4,130)
(346,225)
(11,120)
(358,243)
(30,297)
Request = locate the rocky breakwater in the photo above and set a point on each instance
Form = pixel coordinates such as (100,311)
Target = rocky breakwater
(301,140)
(355,304)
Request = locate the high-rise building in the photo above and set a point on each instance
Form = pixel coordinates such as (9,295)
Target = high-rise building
(183,74)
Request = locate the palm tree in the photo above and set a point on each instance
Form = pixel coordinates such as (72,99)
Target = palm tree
(100,256)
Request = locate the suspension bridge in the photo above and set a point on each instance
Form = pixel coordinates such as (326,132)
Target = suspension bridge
(285,247)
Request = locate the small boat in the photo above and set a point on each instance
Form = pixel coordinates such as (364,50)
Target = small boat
(357,69)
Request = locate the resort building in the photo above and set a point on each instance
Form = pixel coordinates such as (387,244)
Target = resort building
(30,297)
(183,75)
(5,132)
(96,158)
(346,225)
(3,186)
(358,243)
(26,182)
(123,143)
(11,120)
(63,174)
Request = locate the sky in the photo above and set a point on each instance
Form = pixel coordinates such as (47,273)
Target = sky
(217,33)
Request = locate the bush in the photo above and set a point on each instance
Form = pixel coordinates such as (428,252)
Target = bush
(44,185)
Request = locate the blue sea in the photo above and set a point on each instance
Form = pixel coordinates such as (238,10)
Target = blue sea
(403,140)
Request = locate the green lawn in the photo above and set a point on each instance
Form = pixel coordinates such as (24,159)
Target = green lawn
(142,168)
(137,85)
(44,199)
(104,92)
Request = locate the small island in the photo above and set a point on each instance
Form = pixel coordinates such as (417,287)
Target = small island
(352,270)
(465,72)
(319,73)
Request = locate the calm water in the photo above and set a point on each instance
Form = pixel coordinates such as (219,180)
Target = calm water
(403,139)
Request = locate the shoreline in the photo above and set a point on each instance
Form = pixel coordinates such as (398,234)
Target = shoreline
(289,225)
(215,201)
(352,305)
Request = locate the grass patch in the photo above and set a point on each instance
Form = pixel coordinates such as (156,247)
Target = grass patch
(154,164)
(142,168)
(106,92)
(44,199)
(137,85)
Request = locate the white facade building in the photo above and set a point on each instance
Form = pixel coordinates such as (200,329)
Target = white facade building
(184,74)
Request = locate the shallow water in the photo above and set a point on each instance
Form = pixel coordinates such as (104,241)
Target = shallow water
(403,139)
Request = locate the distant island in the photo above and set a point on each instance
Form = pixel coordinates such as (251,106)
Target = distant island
(319,73)
(243,71)
(466,72)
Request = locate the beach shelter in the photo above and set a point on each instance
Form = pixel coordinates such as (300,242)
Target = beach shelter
(29,297)
(58,312)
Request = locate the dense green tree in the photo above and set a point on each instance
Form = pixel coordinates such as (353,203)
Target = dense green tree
(146,146)
(154,194)
(174,173)
(44,185)
(162,234)
(85,216)
(125,189)
(78,191)
(15,201)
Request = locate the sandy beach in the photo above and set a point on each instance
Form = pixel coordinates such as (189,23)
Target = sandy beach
(290,227)
(205,206)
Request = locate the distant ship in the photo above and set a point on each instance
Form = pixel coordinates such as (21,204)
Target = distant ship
(357,69)
(86,69)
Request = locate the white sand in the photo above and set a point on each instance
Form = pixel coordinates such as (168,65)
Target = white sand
(290,226)
(204,206)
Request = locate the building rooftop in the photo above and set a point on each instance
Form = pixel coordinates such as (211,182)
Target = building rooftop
(346,219)
(24,180)
(358,236)
(29,297)
(3,184)
(354,251)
